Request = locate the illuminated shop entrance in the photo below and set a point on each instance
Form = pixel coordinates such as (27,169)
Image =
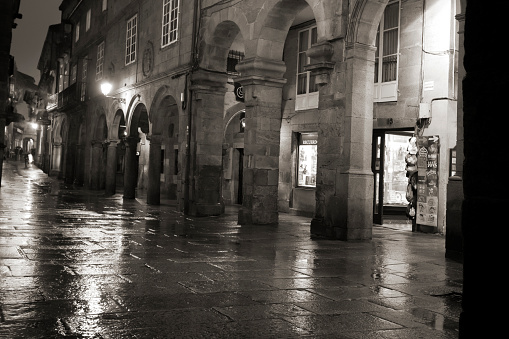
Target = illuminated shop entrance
(390,181)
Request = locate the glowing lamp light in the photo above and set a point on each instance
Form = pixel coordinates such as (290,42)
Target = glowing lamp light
(106,88)
(34,125)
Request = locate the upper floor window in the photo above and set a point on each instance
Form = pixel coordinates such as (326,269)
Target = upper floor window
(130,42)
(386,55)
(307,90)
(100,61)
(170,22)
(77,32)
(74,73)
(105,5)
(60,76)
(84,71)
(89,18)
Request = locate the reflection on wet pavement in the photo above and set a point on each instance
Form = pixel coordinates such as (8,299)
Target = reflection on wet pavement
(75,263)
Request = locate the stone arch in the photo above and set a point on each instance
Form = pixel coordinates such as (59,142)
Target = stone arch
(275,22)
(163,152)
(118,126)
(219,37)
(139,118)
(231,113)
(264,31)
(364,19)
(101,129)
(163,108)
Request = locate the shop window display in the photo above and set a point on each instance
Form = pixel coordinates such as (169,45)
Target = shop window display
(307,165)
(395,179)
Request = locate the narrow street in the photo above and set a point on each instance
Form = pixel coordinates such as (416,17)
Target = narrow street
(75,263)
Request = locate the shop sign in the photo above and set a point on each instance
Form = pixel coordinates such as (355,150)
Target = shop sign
(239,92)
(427,184)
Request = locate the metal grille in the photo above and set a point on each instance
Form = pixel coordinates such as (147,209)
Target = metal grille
(234,57)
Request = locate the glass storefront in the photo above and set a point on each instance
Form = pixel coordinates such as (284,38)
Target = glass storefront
(306,172)
(395,180)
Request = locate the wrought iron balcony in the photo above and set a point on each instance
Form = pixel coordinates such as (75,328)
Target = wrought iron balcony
(74,95)
(51,102)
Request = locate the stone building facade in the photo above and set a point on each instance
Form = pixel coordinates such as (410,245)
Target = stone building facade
(270,104)
(9,12)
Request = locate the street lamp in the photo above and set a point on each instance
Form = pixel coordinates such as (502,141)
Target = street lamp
(106,89)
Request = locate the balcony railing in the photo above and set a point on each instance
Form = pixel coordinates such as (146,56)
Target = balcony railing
(73,95)
(52,102)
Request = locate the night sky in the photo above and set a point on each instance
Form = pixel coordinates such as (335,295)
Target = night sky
(29,35)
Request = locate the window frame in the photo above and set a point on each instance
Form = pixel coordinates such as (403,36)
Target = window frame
(309,99)
(84,76)
(130,42)
(386,91)
(88,20)
(99,66)
(74,74)
(77,32)
(166,27)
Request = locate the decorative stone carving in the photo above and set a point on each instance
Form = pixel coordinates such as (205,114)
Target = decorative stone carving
(321,64)
(148,59)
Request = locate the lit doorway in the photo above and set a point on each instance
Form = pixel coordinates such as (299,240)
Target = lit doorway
(390,180)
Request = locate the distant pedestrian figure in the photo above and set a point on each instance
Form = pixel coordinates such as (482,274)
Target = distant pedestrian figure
(26,160)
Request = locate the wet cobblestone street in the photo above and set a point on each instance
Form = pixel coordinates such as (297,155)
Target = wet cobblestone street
(77,264)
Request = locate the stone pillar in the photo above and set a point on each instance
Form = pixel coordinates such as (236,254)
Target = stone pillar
(262,82)
(453,236)
(79,173)
(38,147)
(154,171)
(55,159)
(2,138)
(47,152)
(203,180)
(130,168)
(344,205)
(69,163)
(485,121)
(62,161)
(111,168)
(97,150)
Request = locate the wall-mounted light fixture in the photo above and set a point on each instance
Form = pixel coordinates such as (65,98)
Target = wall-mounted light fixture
(106,89)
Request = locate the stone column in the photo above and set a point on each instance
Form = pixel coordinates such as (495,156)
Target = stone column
(62,161)
(453,236)
(203,179)
(97,149)
(154,171)
(38,147)
(79,173)
(111,168)
(130,168)
(485,121)
(56,156)
(47,152)
(70,162)
(2,138)
(344,207)
(262,80)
